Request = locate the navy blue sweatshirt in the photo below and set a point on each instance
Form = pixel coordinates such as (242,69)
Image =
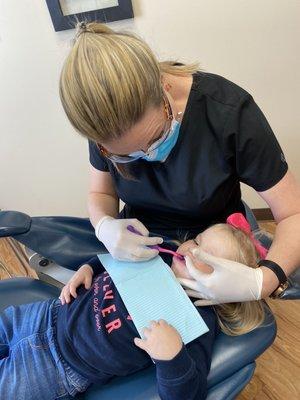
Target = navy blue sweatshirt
(95,335)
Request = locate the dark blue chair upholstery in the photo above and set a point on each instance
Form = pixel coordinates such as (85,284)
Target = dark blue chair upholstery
(71,241)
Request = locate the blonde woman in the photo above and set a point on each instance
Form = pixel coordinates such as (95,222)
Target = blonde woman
(174,142)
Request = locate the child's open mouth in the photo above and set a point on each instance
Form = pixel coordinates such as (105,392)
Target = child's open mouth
(179,261)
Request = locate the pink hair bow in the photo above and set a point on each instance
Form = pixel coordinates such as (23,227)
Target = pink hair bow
(237,220)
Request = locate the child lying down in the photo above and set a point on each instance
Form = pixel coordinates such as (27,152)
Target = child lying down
(57,348)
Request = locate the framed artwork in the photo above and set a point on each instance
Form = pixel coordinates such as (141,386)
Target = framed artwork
(65,13)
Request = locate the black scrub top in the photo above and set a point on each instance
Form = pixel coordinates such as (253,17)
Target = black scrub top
(224,139)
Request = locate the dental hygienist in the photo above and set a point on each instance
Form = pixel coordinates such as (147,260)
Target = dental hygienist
(174,143)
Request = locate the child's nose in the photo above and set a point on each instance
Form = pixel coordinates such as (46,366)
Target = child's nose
(186,247)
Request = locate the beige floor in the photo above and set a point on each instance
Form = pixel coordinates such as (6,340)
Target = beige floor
(13,262)
(277,375)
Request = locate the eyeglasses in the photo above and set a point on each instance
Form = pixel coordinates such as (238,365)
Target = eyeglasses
(164,135)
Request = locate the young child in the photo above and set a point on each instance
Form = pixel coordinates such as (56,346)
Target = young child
(55,349)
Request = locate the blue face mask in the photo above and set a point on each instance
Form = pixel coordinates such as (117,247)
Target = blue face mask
(160,150)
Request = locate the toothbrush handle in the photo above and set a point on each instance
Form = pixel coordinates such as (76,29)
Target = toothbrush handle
(133,230)
(156,247)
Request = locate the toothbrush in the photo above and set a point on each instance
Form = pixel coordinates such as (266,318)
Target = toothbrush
(161,249)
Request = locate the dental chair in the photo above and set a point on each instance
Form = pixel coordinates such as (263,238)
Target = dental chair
(58,245)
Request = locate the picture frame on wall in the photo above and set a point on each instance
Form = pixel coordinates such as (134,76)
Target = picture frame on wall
(66,13)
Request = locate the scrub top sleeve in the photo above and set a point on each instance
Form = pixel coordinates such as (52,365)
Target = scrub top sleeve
(96,159)
(258,158)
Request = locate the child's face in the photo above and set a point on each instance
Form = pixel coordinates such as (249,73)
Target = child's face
(213,241)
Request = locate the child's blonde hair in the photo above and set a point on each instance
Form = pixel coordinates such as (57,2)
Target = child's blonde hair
(108,81)
(239,318)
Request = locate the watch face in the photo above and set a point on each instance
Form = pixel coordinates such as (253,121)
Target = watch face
(281,288)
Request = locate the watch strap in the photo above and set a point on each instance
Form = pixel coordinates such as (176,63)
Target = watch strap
(278,271)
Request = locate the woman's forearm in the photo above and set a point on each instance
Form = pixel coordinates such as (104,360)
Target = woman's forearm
(285,251)
(100,204)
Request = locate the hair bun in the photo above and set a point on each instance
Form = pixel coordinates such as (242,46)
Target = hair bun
(92,27)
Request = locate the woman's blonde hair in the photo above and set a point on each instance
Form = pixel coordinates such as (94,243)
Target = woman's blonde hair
(239,318)
(108,81)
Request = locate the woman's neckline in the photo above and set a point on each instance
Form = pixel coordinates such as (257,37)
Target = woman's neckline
(184,123)
(183,91)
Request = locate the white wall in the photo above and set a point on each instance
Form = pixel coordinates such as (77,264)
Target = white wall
(44,164)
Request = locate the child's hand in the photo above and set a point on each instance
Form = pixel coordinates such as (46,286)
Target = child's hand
(83,276)
(162,341)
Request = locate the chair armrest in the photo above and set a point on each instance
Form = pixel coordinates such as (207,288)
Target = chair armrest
(13,223)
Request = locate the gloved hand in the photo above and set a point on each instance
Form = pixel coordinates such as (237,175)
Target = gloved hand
(230,281)
(123,244)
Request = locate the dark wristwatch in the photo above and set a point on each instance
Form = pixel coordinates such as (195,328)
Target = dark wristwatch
(277,292)
(278,271)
